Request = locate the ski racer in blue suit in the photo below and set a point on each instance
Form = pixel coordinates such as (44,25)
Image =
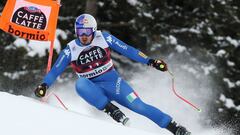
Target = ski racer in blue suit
(99,83)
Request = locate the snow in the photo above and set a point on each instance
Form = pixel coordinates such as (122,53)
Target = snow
(223,2)
(157,10)
(20,42)
(215,14)
(207,69)
(228,102)
(222,97)
(192,30)
(230,84)
(154,88)
(238,108)
(155,46)
(61,33)
(25,116)
(133,2)
(172,40)
(180,48)
(148,15)
(221,53)
(39,47)
(234,42)
(238,83)
(14,75)
(219,38)
(101,4)
(190,69)
(230,63)
(22,115)
(220,110)
(210,31)
(236,19)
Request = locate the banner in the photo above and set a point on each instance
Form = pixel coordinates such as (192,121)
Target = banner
(30,19)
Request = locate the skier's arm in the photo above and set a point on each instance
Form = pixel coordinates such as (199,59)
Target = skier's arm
(133,53)
(60,65)
(124,49)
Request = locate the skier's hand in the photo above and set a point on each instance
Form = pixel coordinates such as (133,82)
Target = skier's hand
(158,64)
(40,91)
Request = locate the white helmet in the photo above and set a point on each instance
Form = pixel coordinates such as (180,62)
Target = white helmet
(85,21)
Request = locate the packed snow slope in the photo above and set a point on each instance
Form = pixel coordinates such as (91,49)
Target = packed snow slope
(155,88)
(25,116)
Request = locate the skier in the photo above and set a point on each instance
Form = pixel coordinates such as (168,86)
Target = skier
(99,83)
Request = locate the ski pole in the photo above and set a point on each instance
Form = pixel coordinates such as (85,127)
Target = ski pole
(45,99)
(179,96)
(60,101)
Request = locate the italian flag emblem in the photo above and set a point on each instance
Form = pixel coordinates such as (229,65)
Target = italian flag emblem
(132,96)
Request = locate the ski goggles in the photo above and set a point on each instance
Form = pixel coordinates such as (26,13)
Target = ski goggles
(84,31)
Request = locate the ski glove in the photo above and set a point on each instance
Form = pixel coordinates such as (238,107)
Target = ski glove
(40,91)
(158,64)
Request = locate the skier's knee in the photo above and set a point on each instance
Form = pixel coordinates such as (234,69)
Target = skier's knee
(92,94)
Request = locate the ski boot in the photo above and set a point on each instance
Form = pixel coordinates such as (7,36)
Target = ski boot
(177,129)
(115,113)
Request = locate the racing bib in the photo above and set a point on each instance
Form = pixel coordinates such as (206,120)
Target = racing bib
(91,60)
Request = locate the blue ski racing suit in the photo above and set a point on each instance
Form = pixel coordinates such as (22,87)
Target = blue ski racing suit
(99,83)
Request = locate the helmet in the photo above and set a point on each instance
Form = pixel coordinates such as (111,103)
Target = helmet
(85,21)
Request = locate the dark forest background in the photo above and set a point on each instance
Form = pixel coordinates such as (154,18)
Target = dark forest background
(209,29)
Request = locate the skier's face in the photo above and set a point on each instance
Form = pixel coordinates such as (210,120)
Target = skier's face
(85,40)
(85,35)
